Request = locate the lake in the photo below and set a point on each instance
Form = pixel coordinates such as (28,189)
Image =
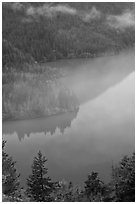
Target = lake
(94,137)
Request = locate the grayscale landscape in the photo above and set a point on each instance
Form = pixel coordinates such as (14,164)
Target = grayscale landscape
(68,102)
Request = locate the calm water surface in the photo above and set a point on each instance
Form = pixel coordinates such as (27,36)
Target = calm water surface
(99,134)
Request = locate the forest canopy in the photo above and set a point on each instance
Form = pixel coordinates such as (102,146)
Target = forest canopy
(41,32)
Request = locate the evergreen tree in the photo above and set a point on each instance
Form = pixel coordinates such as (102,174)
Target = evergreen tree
(95,189)
(10,177)
(39,185)
(124,179)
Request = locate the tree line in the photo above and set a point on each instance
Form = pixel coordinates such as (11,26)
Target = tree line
(41,188)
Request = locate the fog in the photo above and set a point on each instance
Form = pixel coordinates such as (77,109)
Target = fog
(92,14)
(50,11)
(101,132)
(89,78)
(126,19)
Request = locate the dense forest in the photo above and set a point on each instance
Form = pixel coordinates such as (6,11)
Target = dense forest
(41,188)
(41,32)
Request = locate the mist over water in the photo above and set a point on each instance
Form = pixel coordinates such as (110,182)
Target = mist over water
(88,78)
(100,133)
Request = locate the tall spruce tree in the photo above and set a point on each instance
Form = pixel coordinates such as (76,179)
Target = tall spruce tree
(39,185)
(95,189)
(10,177)
(123,176)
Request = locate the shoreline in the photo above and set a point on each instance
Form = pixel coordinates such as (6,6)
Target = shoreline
(90,56)
(33,117)
(39,117)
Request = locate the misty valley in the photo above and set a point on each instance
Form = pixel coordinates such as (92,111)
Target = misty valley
(68,101)
(91,137)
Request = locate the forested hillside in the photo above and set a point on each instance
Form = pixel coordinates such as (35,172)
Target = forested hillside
(40,32)
(35,33)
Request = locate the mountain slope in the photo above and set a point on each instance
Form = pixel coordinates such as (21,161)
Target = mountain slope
(51,31)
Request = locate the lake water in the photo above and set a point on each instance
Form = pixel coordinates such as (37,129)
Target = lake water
(99,134)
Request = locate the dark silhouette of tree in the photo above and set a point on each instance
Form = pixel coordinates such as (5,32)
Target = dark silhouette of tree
(95,189)
(123,177)
(39,185)
(10,177)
